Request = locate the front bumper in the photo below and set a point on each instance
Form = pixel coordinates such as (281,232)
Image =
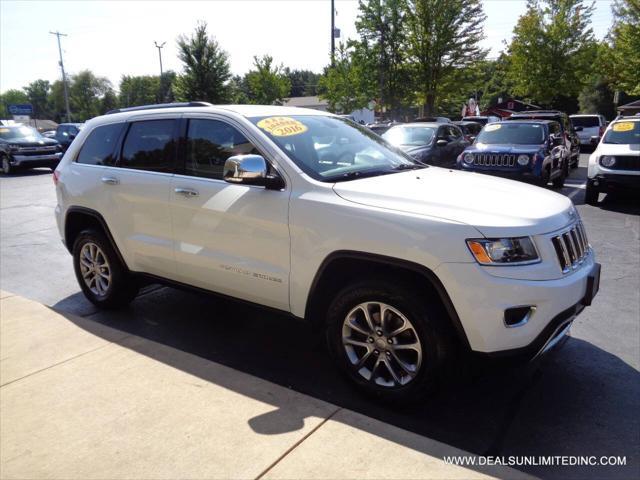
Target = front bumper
(34,161)
(481,299)
(519,175)
(611,182)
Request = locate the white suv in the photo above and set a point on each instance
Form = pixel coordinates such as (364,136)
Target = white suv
(405,267)
(615,163)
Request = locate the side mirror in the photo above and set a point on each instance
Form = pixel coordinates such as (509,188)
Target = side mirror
(578,129)
(250,170)
(441,143)
(72,136)
(594,140)
(472,138)
(557,141)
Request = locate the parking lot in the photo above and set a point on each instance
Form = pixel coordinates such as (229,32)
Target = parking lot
(581,400)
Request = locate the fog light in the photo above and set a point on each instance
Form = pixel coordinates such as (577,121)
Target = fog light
(518,316)
(523,160)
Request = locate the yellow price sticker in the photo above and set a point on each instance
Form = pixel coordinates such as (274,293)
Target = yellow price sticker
(622,127)
(282,126)
(492,126)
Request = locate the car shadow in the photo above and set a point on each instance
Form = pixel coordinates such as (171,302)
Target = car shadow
(544,409)
(27,173)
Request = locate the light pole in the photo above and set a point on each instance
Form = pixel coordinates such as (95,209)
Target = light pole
(64,77)
(159,47)
(333,32)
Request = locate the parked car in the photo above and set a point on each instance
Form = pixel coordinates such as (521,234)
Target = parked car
(615,163)
(569,134)
(528,150)
(482,119)
(588,126)
(433,119)
(381,127)
(404,268)
(432,143)
(66,132)
(470,130)
(25,147)
(49,133)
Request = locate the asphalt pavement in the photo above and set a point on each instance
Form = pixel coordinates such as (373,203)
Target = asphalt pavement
(582,400)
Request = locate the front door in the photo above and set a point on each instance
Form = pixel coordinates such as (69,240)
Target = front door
(231,239)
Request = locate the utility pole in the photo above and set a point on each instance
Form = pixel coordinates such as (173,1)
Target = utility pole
(333,32)
(159,47)
(64,77)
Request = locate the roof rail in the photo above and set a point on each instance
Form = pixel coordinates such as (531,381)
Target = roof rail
(160,105)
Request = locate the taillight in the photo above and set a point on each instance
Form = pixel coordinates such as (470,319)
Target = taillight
(56,177)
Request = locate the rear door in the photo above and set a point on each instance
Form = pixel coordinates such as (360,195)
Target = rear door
(137,189)
(232,239)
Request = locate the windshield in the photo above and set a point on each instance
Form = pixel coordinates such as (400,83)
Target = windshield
(333,149)
(409,136)
(14,133)
(515,133)
(585,122)
(623,133)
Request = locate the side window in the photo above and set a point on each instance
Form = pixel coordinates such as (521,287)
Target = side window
(150,145)
(455,133)
(99,146)
(209,144)
(554,128)
(61,131)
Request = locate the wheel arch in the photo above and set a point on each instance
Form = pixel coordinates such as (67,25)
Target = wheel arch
(78,219)
(341,266)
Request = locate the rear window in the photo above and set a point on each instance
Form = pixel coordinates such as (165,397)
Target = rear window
(99,146)
(585,122)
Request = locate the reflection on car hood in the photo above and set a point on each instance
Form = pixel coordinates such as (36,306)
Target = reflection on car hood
(503,148)
(32,142)
(495,206)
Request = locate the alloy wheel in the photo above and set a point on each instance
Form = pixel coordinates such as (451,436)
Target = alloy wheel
(95,269)
(381,344)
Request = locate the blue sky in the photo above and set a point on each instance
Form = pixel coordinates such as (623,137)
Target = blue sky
(113,38)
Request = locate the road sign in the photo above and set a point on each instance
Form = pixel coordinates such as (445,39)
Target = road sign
(21,109)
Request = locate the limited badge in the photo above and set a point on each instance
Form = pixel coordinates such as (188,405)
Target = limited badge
(493,126)
(282,126)
(622,127)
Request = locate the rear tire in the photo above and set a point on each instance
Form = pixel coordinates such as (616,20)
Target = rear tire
(102,276)
(558,182)
(400,358)
(544,179)
(591,194)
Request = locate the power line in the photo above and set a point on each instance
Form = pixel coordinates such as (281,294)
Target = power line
(64,77)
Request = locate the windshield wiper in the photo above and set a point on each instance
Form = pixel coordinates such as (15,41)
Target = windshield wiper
(410,166)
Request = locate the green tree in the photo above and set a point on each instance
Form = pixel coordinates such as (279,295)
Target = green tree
(138,90)
(381,25)
(344,85)
(86,94)
(625,42)
(304,83)
(239,89)
(268,84)
(56,102)
(206,71)
(552,51)
(597,97)
(38,93)
(443,38)
(11,97)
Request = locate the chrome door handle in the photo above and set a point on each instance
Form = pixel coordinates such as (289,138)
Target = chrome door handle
(110,180)
(187,192)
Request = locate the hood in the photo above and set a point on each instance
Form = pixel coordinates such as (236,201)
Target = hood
(503,148)
(32,142)
(617,149)
(495,206)
(410,149)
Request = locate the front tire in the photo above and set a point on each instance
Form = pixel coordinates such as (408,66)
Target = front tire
(103,278)
(591,194)
(7,169)
(388,339)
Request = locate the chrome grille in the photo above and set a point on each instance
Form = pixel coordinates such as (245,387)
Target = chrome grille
(571,247)
(494,159)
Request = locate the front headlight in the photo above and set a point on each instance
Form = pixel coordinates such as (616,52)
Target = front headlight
(468,158)
(523,160)
(503,251)
(607,161)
